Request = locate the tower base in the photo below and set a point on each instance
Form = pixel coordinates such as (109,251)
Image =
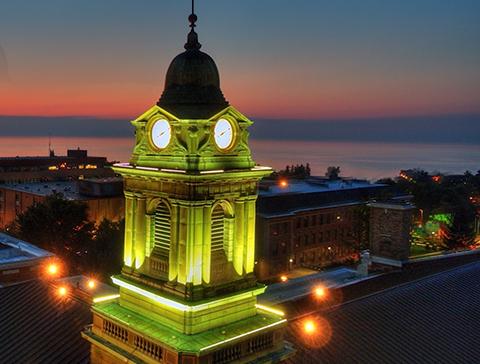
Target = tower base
(119,334)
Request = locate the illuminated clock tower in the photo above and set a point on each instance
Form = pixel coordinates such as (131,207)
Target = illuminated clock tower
(187,288)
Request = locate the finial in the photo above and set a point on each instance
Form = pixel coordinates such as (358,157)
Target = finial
(192,40)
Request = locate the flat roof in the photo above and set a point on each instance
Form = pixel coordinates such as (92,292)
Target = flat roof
(299,287)
(69,189)
(315,186)
(13,250)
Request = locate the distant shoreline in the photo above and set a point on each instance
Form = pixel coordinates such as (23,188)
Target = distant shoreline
(370,160)
(459,129)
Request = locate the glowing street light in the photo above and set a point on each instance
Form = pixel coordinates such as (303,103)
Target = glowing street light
(52,269)
(283,183)
(284,278)
(62,291)
(320,292)
(309,327)
(91,284)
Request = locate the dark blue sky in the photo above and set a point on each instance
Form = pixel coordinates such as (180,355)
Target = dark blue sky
(278,59)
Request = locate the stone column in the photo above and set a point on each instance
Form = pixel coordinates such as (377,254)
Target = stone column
(195,243)
(239,245)
(129,216)
(174,239)
(207,243)
(182,236)
(249,249)
(140,233)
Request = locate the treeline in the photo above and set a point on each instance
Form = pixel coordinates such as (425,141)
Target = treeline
(62,227)
(436,193)
(301,171)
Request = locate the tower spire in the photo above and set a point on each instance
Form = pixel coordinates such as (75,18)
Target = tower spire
(192,40)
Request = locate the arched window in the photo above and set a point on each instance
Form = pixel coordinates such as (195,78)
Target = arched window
(221,267)
(162,231)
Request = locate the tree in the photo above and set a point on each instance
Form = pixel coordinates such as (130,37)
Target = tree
(460,233)
(361,227)
(299,171)
(57,225)
(333,172)
(106,249)
(62,227)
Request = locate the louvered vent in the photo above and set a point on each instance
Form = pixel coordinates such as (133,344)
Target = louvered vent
(162,229)
(218,227)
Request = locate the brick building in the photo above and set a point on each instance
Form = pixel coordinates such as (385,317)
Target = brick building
(104,197)
(309,223)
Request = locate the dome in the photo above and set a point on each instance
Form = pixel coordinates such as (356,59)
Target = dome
(192,68)
(192,85)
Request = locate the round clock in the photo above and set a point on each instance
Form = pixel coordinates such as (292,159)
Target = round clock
(223,134)
(161,133)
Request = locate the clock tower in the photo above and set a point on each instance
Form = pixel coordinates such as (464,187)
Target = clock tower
(187,288)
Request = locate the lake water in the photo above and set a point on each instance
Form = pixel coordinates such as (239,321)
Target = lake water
(357,159)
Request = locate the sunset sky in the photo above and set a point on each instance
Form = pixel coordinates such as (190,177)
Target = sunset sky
(277,59)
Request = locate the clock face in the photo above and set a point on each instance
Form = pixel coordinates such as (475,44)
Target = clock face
(223,134)
(161,133)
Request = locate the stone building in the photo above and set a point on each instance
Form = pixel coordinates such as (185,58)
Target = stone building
(390,229)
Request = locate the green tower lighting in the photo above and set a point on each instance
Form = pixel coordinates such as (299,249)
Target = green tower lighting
(187,288)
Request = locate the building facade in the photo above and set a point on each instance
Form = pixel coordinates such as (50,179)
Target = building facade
(187,289)
(104,197)
(311,223)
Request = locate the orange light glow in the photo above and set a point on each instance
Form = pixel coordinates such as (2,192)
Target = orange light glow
(320,292)
(62,291)
(52,269)
(283,183)
(284,278)
(313,331)
(309,327)
(91,284)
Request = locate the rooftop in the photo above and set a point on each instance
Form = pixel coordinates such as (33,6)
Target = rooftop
(13,250)
(315,185)
(298,287)
(279,199)
(40,327)
(69,189)
(431,320)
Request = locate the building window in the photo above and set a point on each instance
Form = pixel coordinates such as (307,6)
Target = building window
(221,238)
(274,229)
